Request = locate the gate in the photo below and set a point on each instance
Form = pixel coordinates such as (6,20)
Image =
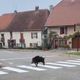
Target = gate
(76,41)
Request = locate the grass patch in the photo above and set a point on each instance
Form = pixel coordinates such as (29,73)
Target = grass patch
(73,53)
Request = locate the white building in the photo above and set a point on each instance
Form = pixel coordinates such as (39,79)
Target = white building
(22,29)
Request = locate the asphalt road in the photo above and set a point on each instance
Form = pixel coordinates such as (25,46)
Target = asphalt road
(59,66)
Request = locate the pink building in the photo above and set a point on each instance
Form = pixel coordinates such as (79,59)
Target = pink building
(64,19)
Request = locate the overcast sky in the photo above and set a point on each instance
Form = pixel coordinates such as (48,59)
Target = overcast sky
(8,6)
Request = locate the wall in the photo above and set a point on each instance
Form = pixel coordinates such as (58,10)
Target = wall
(27,37)
(7,36)
(70,30)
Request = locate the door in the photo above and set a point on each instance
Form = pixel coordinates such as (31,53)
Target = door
(76,42)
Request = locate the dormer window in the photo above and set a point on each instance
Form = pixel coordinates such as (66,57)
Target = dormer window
(61,30)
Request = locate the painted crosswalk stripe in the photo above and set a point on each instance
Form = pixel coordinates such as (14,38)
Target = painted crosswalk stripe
(47,66)
(69,63)
(31,67)
(59,64)
(73,60)
(77,59)
(1,72)
(14,69)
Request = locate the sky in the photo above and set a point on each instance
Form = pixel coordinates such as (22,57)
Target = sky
(9,6)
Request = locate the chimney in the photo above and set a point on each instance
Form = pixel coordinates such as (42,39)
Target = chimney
(51,7)
(36,8)
(15,11)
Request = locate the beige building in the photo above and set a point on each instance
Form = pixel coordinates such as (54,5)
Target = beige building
(64,19)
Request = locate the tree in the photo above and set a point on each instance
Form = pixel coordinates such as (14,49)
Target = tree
(45,38)
(52,35)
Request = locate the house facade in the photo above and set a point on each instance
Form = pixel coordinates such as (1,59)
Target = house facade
(22,29)
(31,39)
(64,19)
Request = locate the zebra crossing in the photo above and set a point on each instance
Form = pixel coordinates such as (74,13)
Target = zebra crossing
(32,68)
(14,69)
(59,64)
(49,65)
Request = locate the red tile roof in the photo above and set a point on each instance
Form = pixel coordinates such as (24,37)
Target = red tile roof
(24,21)
(5,20)
(67,12)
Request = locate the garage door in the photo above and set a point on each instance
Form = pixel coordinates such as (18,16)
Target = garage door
(76,42)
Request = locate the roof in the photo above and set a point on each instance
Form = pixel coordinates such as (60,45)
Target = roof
(5,20)
(67,12)
(24,21)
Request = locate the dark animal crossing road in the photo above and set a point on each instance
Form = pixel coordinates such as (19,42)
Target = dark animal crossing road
(16,65)
(37,59)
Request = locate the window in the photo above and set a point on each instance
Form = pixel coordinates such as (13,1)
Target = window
(2,39)
(34,35)
(33,45)
(30,44)
(22,40)
(61,30)
(11,43)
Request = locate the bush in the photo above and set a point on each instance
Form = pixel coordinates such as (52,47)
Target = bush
(39,47)
(66,46)
(74,53)
(48,46)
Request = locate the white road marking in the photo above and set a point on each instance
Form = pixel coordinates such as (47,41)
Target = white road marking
(58,64)
(14,69)
(47,66)
(10,62)
(13,59)
(1,72)
(69,62)
(73,60)
(32,68)
(77,59)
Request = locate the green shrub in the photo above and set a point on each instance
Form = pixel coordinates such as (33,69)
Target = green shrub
(39,47)
(66,46)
